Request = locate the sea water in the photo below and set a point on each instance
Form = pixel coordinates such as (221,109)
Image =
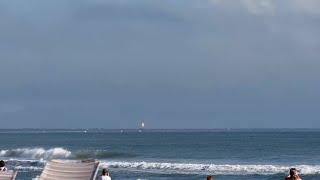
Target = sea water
(169,154)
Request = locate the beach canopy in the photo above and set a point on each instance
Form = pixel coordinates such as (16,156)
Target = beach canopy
(8,175)
(71,170)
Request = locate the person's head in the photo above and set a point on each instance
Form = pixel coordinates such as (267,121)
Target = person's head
(105,172)
(2,164)
(209,177)
(293,172)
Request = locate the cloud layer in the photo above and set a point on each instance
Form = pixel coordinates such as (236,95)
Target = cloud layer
(177,64)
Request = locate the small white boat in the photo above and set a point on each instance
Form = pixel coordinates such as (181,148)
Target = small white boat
(141,127)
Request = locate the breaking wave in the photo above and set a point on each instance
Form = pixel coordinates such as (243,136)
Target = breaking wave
(179,168)
(36,153)
(60,153)
(216,169)
(33,159)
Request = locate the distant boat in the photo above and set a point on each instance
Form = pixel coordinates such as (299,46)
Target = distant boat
(141,126)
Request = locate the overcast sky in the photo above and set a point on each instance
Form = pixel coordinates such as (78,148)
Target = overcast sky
(172,63)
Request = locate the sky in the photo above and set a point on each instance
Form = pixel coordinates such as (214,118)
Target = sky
(171,63)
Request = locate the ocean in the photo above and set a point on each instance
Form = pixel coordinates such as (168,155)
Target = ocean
(169,154)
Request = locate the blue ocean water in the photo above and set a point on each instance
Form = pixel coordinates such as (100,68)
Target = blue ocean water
(169,154)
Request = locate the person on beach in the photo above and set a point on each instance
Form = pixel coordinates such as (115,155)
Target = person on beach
(2,166)
(209,178)
(105,175)
(293,175)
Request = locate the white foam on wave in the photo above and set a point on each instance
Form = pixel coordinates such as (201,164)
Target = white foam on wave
(28,168)
(36,153)
(216,169)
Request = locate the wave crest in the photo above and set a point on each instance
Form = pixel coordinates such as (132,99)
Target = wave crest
(61,153)
(36,153)
(216,169)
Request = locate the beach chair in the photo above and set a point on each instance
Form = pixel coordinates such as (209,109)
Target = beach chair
(70,170)
(8,175)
